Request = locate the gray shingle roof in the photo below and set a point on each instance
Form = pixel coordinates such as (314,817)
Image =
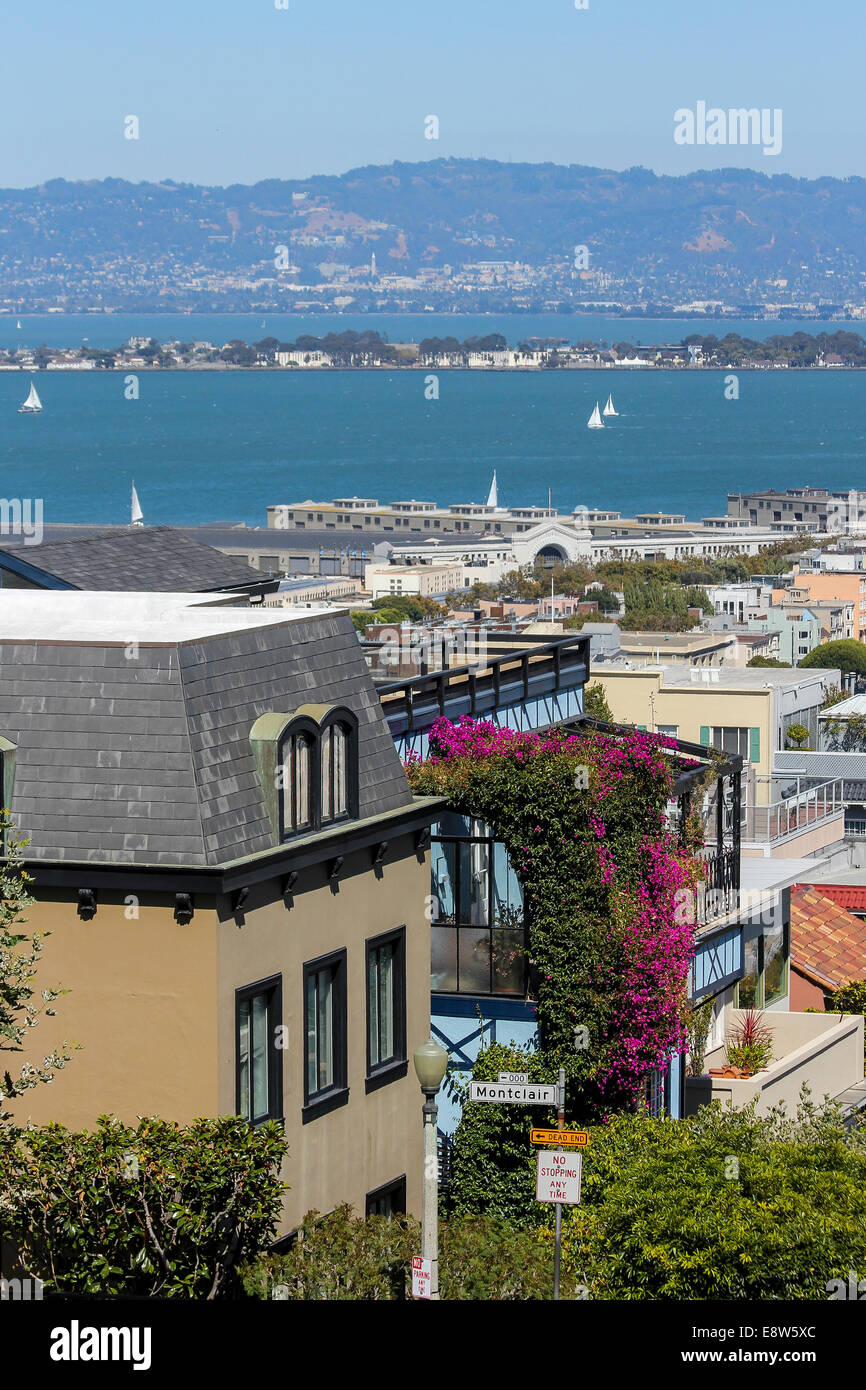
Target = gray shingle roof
(138,558)
(148,760)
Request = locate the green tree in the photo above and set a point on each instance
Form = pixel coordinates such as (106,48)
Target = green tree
(768,661)
(154,1209)
(22,1004)
(846,654)
(797,733)
(596,705)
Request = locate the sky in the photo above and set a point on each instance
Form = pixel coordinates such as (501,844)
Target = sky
(234,91)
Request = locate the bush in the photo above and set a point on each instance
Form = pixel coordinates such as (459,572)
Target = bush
(151,1210)
(725,1205)
(339,1257)
(849,999)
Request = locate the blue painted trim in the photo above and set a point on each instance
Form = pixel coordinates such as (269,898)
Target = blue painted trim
(25,571)
(490,1006)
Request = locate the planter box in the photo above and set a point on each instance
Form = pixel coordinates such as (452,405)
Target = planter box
(820,1050)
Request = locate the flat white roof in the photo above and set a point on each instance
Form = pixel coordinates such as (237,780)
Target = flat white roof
(80,615)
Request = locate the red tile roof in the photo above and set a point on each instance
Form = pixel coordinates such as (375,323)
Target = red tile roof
(851,896)
(828,945)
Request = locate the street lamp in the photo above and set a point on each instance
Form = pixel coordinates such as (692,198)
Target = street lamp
(431,1064)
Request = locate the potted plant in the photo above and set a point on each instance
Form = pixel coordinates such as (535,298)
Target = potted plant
(748,1047)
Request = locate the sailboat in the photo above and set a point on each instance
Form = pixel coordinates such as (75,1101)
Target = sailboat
(609,408)
(19,323)
(32,405)
(137,514)
(595,421)
(493,494)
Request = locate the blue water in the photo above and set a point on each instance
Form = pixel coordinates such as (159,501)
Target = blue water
(219,446)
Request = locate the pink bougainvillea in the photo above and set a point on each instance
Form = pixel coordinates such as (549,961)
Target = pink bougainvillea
(583,817)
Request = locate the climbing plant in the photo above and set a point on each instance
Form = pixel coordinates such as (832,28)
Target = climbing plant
(583,819)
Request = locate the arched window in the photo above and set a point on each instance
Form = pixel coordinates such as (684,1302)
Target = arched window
(297,779)
(317,769)
(336,738)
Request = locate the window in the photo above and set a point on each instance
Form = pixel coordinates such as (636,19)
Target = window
(259,1061)
(386,1004)
(325,1034)
(766,952)
(388,1200)
(731,740)
(317,770)
(335,771)
(296,781)
(477,936)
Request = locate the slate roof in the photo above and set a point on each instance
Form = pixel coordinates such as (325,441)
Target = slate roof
(827,943)
(135,558)
(148,760)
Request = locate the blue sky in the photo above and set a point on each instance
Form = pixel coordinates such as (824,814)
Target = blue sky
(236,90)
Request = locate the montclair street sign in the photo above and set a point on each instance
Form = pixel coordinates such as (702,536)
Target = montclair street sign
(512,1093)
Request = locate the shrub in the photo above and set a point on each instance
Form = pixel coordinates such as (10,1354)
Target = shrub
(750,1043)
(156,1209)
(340,1256)
(726,1205)
(849,999)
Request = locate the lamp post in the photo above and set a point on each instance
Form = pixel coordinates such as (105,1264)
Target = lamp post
(431,1063)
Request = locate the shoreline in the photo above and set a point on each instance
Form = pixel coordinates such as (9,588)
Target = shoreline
(127,369)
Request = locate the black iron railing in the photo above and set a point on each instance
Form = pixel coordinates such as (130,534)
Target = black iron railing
(509,679)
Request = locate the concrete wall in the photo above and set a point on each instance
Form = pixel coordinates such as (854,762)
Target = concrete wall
(816,1049)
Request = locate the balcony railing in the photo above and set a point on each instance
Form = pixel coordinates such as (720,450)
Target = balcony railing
(510,679)
(794,814)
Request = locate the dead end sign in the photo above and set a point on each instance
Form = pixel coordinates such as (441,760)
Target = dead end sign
(558,1177)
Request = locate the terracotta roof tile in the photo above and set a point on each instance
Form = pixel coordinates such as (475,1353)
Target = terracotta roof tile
(828,944)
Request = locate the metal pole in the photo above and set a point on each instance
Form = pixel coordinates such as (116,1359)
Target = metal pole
(430,1213)
(560,1125)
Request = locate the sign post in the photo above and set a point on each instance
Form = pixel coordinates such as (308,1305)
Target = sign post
(560,1125)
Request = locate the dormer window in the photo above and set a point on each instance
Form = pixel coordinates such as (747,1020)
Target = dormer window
(336,738)
(308,767)
(296,781)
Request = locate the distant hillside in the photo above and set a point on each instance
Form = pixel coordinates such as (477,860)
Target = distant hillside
(734,235)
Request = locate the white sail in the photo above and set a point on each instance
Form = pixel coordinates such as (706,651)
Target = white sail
(32,405)
(609,410)
(595,421)
(493,495)
(137,513)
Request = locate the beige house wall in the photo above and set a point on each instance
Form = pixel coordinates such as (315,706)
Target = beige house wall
(374,1138)
(152,1004)
(690,707)
(140,1003)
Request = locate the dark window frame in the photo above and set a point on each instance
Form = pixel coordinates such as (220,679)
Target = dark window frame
(272,985)
(302,725)
(395,1188)
(396,1066)
(316,733)
(457,924)
(329,1097)
(348,719)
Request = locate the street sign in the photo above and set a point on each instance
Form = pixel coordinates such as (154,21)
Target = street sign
(507,1093)
(422,1277)
(558,1178)
(568,1138)
(520,1078)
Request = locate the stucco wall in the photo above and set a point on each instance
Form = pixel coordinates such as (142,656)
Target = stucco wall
(141,1002)
(376,1137)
